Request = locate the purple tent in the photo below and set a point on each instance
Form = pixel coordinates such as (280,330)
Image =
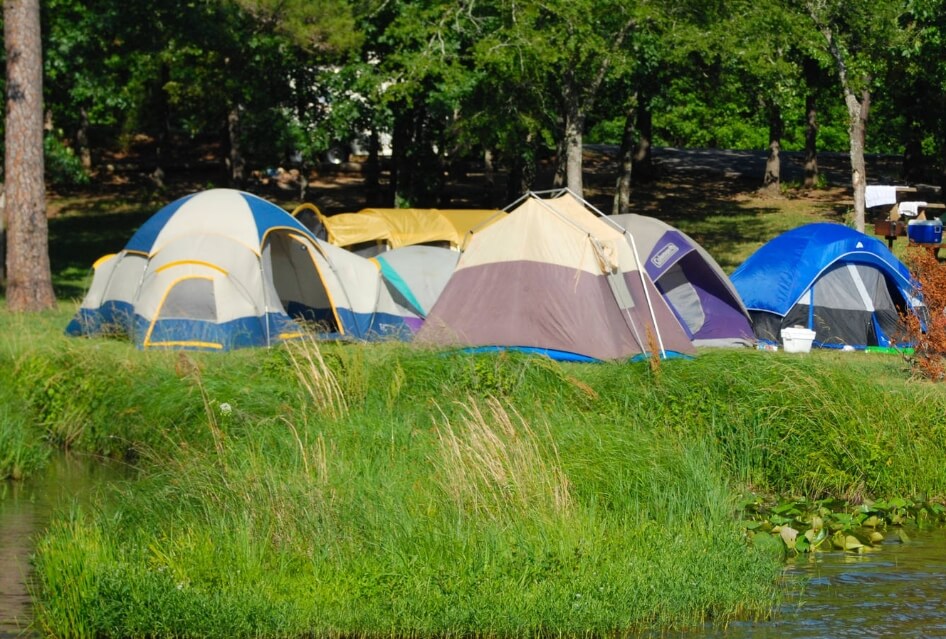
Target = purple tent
(690,280)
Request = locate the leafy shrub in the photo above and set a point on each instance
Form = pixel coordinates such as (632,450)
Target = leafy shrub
(63,168)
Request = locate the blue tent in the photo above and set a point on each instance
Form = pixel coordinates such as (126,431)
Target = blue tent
(846,286)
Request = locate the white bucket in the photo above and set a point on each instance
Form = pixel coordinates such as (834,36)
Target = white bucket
(796,339)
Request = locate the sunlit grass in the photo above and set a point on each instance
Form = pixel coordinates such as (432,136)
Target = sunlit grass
(456,494)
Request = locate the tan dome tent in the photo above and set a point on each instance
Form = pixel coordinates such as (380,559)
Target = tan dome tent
(553,277)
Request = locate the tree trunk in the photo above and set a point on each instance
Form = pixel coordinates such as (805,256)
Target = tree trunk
(574,124)
(400,139)
(29,283)
(858,111)
(521,172)
(913,162)
(622,190)
(811,142)
(373,169)
(235,162)
(163,113)
(82,139)
(561,163)
(942,173)
(771,182)
(489,174)
(3,234)
(643,158)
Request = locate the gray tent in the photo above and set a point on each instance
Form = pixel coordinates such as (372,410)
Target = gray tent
(415,276)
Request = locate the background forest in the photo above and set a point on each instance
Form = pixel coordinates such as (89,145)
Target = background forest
(424,87)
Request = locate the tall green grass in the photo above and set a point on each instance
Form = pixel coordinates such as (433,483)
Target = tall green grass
(368,490)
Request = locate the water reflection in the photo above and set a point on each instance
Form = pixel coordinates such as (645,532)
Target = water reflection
(25,509)
(899,591)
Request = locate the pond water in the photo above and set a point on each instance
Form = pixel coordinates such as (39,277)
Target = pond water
(25,509)
(898,591)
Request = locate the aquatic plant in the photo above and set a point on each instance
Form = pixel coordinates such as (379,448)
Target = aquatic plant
(806,526)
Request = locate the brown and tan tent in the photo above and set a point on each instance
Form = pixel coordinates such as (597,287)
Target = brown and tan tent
(553,277)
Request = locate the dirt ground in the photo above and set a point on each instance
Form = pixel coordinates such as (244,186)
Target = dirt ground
(689,182)
(711,194)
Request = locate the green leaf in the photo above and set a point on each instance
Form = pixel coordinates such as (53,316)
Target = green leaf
(789,535)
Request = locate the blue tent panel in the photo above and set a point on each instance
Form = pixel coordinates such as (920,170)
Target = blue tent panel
(775,276)
(845,285)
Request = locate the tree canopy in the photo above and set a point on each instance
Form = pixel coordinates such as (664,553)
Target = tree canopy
(514,84)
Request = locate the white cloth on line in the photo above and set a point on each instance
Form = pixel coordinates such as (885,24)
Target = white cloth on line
(910,209)
(878,195)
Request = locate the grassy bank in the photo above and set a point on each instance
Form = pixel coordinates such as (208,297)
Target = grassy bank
(382,490)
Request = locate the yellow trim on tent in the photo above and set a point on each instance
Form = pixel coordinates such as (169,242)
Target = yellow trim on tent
(164,267)
(328,293)
(102,260)
(146,342)
(193,343)
(295,335)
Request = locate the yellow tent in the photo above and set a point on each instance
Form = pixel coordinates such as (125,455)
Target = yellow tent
(405,227)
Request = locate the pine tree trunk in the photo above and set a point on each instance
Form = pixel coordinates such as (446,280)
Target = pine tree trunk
(29,283)
(521,172)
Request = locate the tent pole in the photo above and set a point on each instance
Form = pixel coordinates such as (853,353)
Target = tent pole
(519,199)
(650,305)
(640,267)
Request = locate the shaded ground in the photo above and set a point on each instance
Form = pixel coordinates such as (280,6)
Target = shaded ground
(711,194)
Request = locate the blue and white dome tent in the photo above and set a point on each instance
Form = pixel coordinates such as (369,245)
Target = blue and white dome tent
(844,285)
(224,269)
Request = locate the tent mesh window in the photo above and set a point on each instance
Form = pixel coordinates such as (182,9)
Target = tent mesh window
(192,298)
(683,297)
